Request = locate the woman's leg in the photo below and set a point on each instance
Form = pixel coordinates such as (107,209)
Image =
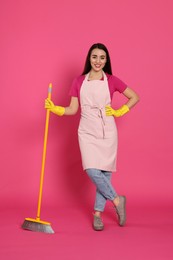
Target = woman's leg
(104,187)
(100,200)
(105,191)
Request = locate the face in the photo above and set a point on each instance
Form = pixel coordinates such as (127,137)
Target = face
(97,59)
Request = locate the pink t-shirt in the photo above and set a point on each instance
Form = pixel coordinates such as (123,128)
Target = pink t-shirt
(114,83)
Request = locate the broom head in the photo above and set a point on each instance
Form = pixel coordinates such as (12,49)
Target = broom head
(37,225)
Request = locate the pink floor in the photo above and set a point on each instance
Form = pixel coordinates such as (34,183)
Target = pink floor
(147,235)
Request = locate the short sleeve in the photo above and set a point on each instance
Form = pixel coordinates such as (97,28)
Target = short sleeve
(75,87)
(115,84)
(118,84)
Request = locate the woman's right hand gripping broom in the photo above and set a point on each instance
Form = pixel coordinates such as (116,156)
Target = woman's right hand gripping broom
(58,110)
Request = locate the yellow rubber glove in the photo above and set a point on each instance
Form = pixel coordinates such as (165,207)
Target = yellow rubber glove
(117,113)
(54,109)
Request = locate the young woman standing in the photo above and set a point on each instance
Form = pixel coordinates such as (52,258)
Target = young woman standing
(97,132)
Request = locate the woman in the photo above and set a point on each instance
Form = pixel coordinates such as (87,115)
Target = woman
(97,132)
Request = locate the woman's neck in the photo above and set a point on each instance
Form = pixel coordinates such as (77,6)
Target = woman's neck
(95,75)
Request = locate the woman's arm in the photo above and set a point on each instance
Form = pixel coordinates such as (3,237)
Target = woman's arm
(59,110)
(73,107)
(132,96)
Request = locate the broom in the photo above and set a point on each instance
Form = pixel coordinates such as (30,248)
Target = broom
(37,224)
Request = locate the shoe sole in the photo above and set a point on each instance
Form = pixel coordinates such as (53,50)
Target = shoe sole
(124,208)
(98,229)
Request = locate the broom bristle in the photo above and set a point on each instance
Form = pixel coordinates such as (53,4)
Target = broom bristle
(37,226)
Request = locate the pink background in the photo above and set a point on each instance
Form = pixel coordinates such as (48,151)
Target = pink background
(47,41)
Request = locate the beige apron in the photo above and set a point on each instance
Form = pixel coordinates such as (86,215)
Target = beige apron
(97,132)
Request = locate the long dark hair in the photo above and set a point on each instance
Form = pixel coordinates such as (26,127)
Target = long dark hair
(107,68)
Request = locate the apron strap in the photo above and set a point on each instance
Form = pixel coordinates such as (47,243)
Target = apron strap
(101,115)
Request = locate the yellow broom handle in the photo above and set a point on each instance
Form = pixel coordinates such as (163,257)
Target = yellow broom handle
(44,154)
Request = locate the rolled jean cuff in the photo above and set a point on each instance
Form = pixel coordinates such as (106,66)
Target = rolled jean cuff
(100,210)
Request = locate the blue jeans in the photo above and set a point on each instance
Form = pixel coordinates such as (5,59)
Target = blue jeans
(104,189)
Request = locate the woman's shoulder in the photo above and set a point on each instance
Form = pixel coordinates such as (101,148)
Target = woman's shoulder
(111,76)
(108,75)
(116,83)
(79,78)
(77,81)
(114,79)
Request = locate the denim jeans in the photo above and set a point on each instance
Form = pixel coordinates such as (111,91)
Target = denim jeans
(104,189)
